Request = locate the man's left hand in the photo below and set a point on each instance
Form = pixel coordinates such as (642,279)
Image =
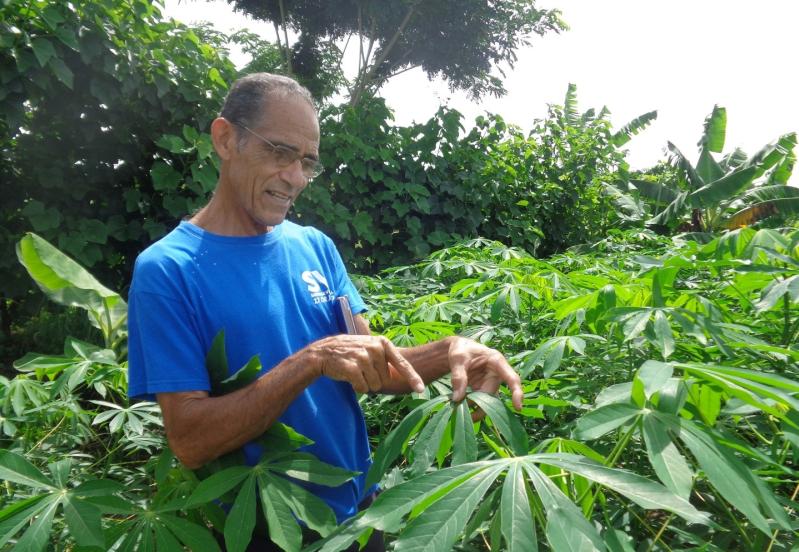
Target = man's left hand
(481,368)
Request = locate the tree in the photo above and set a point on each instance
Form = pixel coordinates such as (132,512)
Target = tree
(459,41)
(89,90)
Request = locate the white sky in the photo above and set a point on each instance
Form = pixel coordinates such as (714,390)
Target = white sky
(677,56)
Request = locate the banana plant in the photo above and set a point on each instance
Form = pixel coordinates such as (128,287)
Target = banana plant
(730,193)
(67,283)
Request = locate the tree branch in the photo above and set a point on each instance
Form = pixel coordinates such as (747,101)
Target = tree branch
(286,37)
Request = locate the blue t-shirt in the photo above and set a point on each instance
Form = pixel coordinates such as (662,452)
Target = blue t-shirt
(273,294)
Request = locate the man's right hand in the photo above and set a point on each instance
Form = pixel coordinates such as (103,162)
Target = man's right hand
(368,363)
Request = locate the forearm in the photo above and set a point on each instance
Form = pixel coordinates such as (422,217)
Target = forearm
(201,428)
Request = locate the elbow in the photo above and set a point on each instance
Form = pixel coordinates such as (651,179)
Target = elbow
(186,454)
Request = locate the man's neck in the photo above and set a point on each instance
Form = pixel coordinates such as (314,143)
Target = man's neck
(218,217)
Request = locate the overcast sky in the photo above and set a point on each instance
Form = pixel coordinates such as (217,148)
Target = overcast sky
(679,57)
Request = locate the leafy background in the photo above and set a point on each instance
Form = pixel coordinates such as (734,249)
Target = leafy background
(651,314)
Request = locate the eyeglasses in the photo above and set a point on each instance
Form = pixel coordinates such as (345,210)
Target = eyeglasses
(285,156)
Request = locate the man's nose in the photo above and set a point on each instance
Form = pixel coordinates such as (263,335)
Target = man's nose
(293,174)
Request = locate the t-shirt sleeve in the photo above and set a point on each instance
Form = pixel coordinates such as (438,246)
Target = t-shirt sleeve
(165,353)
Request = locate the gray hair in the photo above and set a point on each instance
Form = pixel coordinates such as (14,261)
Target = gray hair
(248,96)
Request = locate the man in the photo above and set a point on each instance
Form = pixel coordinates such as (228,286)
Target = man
(238,265)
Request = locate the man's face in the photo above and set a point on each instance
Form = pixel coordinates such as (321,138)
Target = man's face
(263,190)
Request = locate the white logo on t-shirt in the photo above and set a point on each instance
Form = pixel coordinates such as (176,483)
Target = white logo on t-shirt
(317,286)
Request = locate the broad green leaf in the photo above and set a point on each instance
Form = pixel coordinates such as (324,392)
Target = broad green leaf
(243,376)
(625,134)
(283,528)
(305,505)
(392,444)
(217,484)
(663,334)
(731,478)
(640,490)
(722,189)
(280,438)
(438,528)
(715,130)
(464,443)
(604,419)
(518,527)
(654,375)
(307,467)
(194,536)
(566,529)
(43,50)
(66,282)
(18,515)
(389,508)
(427,443)
(241,518)
(84,523)
(36,537)
(16,469)
(670,466)
(504,420)
(164,540)
(216,362)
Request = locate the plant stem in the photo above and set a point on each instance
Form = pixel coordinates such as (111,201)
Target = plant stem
(660,532)
(776,532)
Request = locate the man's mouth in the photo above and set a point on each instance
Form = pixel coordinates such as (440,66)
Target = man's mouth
(279,196)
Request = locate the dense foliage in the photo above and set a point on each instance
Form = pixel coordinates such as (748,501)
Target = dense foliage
(644,359)
(89,89)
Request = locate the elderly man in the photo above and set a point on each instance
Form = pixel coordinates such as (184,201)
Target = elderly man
(238,265)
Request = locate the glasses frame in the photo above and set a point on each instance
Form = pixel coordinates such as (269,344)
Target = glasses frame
(315,171)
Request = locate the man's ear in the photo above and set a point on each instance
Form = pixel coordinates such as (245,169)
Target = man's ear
(224,137)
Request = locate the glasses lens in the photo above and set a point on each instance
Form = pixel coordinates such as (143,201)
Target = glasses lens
(311,168)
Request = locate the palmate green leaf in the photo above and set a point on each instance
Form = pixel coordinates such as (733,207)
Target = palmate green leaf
(241,518)
(280,438)
(604,419)
(442,522)
(518,526)
(307,467)
(732,479)
(670,466)
(642,491)
(746,385)
(504,420)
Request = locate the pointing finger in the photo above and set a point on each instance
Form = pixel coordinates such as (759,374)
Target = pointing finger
(401,364)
